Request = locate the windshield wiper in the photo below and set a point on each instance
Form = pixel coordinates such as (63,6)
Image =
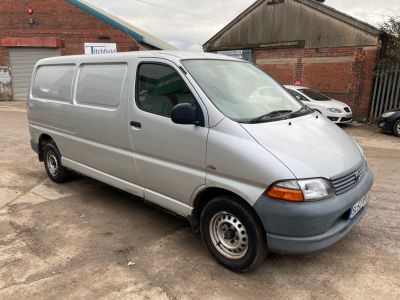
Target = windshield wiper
(302,110)
(270,115)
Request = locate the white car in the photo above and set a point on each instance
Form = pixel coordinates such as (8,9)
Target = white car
(336,111)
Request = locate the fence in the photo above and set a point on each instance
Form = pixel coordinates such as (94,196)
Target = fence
(386,91)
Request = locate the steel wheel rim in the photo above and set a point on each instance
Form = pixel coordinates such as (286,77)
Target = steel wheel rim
(52,163)
(398,128)
(229,235)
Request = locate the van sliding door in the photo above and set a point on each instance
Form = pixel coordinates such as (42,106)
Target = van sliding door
(101,114)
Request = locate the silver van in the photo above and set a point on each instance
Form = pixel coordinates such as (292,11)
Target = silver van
(211,138)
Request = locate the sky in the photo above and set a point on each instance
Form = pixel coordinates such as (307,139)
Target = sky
(188,24)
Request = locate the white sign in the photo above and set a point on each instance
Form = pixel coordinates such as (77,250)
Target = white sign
(100,48)
(232,53)
(246,54)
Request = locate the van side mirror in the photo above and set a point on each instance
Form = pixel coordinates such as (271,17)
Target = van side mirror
(184,113)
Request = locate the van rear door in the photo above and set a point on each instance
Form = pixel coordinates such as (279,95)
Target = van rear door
(170,157)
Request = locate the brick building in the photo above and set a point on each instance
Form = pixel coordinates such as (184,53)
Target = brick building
(34,29)
(309,43)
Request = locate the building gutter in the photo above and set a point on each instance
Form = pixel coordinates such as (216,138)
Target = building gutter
(134,32)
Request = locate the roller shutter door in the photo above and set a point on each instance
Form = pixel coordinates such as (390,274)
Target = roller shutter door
(22,62)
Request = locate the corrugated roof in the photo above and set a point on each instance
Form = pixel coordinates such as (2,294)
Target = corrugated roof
(358,26)
(133,31)
(341,16)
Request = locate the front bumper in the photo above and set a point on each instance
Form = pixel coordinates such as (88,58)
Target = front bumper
(386,124)
(341,118)
(310,226)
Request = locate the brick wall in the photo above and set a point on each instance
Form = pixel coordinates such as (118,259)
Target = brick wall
(57,18)
(345,74)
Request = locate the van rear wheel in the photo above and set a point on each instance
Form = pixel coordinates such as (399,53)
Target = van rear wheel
(232,234)
(52,163)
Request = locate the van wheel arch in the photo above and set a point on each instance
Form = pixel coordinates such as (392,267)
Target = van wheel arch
(43,140)
(208,194)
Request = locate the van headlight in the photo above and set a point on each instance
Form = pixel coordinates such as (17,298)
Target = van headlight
(301,190)
(335,110)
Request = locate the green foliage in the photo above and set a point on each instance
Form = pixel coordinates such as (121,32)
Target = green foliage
(392,28)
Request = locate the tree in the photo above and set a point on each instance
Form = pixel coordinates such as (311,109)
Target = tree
(391,29)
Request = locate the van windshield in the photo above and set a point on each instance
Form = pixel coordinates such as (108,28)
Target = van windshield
(243,92)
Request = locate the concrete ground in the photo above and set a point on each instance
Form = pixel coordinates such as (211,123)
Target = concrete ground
(85,239)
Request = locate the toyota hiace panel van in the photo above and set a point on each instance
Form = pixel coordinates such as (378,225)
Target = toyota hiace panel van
(211,138)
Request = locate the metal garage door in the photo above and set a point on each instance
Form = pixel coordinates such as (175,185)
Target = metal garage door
(22,61)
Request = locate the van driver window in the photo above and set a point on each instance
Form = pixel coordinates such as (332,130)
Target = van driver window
(160,88)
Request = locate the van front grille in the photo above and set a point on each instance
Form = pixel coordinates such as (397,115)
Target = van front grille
(346,182)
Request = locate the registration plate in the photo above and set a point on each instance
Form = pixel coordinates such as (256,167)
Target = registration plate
(358,206)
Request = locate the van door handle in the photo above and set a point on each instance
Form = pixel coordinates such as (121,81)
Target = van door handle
(136,124)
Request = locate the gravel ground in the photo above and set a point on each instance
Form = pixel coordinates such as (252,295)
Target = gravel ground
(85,239)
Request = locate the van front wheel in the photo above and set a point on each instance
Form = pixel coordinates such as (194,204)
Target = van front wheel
(52,163)
(232,234)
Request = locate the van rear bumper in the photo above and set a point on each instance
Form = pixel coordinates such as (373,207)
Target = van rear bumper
(295,228)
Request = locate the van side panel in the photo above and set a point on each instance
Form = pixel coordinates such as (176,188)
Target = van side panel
(50,103)
(101,121)
(240,164)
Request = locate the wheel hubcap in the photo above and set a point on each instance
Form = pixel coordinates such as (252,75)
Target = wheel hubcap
(52,163)
(398,128)
(228,235)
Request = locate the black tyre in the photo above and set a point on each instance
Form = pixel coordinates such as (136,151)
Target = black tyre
(396,128)
(52,163)
(232,234)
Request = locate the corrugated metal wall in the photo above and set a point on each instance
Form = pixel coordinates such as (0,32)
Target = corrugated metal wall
(291,21)
(386,91)
(22,62)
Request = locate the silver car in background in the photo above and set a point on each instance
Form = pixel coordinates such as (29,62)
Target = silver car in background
(211,138)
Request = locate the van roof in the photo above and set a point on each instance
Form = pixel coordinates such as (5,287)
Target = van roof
(166,54)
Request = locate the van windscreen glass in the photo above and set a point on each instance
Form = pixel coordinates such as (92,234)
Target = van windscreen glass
(54,82)
(243,92)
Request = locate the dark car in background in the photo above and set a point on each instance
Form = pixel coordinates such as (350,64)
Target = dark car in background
(390,121)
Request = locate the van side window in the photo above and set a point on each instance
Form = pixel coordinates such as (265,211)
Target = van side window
(101,84)
(54,82)
(160,88)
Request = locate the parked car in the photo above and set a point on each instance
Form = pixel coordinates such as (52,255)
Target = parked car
(390,121)
(193,133)
(334,110)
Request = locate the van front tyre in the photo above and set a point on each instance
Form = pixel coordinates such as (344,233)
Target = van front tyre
(232,234)
(52,163)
